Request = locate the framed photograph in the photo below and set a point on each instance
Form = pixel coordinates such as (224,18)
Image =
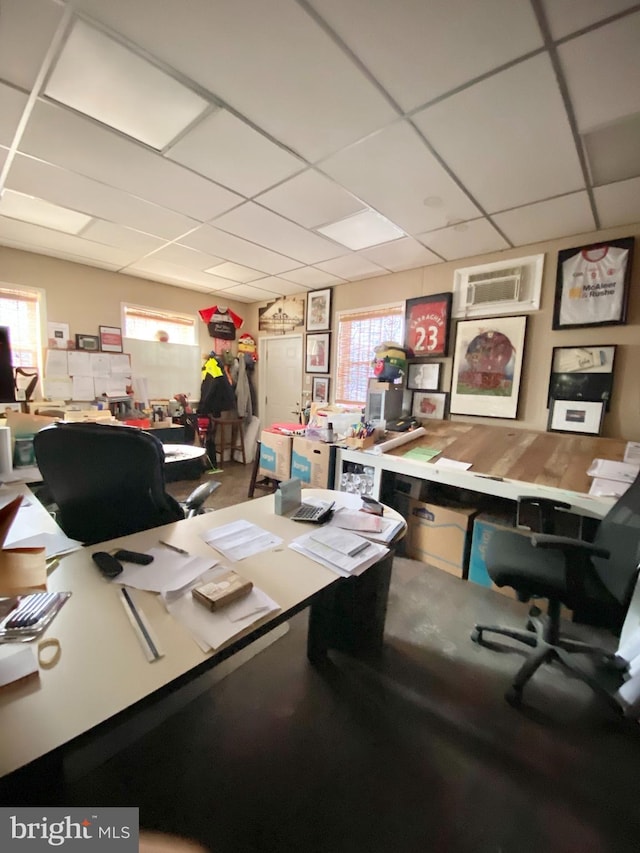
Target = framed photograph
(88,342)
(424,377)
(110,338)
(576,416)
(320,389)
(58,336)
(430,404)
(487,365)
(318,353)
(582,373)
(592,284)
(319,310)
(427,324)
(285,314)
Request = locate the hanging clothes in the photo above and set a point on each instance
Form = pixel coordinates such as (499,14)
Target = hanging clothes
(216,392)
(243,392)
(221,322)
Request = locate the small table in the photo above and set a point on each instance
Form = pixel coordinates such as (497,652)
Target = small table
(182,452)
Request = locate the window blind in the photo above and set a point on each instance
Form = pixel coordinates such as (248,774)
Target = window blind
(145,323)
(20,311)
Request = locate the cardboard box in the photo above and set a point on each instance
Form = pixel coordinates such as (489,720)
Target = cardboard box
(313,463)
(440,536)
(275,455)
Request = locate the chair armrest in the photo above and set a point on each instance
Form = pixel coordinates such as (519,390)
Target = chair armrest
(568,545)
(546,508)
(193,503)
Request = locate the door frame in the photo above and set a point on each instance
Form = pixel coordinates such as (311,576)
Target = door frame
(262,370)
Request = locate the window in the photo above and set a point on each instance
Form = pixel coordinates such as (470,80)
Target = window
(148,324)
(20,310)
(359,333)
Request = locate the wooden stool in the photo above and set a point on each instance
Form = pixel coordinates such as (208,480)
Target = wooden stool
(229,434)
(267,483)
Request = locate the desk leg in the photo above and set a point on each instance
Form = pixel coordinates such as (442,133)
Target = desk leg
(349,616)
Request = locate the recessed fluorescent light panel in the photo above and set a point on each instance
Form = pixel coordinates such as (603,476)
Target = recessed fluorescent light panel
(362,230)
(38,212)
(105,80)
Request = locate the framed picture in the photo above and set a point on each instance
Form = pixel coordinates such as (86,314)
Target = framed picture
(582,373)
(110,338)
(576,416)
(282,315)
(592,284)
(88,342)
(58,336)
(487,365)
(430,404)
(427,323)
(424,377)
(319,310)
(320,389)
(318,353)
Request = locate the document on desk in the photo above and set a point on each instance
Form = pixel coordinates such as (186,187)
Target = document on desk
(210,629)
(313,546)
(54,544)
(169,571)
(624,472)
(240,539)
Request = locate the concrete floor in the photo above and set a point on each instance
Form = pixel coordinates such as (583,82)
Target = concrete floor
(417,753)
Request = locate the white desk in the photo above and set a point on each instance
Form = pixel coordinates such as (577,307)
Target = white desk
(103,673)
(182,452)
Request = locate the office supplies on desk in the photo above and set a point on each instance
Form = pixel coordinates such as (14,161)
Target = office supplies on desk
(226,587)
(25,617)
(316,513)
(141,627)
(109,565)
(168,571)
(133,557)
(173,548)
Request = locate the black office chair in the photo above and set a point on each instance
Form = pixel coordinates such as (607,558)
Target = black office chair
(594,579)
(108,480)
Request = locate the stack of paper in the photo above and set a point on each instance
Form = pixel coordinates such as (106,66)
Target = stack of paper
(240,539)
(611,479)
(376,527)
(168,572)
(344,553)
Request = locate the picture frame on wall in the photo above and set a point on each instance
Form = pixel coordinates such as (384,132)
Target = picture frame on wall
(320,389)
(580,416)
(582,373)
(487,367)
(430,405)
(424,376)
(592,284)
(427,324)
(319,310)
(317,353)
(90,343)
(110,338)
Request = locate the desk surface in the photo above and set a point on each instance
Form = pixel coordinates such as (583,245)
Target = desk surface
(103,670)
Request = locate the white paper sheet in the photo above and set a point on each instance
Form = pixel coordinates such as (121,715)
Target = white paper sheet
(83,388)
(240,539)
(625,472)
(56,364)
(632,452)
(341,565)
(602,488)
(168,571)
(444,462)
(79,363)
(53,543)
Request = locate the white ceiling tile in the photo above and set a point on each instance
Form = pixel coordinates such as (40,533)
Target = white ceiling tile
(231,248)
(279,285)
(545,220)
(60,186)
(175,253)
(311,199)
(432,35)
(228,150)
(613,151)
(311,277)
(402,254)
(567,16)
(464,241)
(270,61)
(174,281)
(249,292)
(12,104)
(602,69)
(352,267)
(266,228)
(362,230)
(29,209)
(507,138)
(393,171)
(26,31)
(236,272)
(618,204)
(154,265)
(123,238)
(79,144)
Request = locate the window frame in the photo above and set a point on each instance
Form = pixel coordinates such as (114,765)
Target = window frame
(170,315)
(40,336)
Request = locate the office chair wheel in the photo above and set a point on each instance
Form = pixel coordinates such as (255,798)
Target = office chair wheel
(513,697)
(476,635)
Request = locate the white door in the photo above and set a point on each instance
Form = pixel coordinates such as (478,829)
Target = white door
(280,379)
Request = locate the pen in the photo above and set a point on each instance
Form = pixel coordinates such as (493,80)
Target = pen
(174,548)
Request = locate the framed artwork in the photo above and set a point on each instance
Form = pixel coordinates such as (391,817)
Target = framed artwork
(424,377)
(427,323)
(430,404)
(110,338)
(319,310)
(582,373)
(320,389)
(58,336)
(282,315)
(487,365)
(88,342)
(317,358)
(592,284)
(576,416)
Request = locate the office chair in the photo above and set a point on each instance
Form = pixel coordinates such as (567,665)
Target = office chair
(594,579)
(108,481)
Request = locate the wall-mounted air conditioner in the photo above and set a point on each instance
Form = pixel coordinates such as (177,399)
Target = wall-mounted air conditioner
(503,287)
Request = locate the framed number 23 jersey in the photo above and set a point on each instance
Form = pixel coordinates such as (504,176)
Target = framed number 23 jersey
(427,322)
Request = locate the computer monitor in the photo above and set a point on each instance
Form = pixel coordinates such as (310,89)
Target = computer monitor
(7,383)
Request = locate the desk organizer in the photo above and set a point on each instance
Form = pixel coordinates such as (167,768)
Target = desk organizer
(361,443)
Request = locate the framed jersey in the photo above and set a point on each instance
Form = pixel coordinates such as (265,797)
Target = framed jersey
(427,323)
(592,284)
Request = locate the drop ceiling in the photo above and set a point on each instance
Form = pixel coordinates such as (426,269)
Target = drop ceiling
(228,146)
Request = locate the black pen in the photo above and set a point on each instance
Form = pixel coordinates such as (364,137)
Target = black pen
(174,548)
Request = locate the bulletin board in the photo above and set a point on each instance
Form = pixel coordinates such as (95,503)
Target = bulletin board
(168,369)
(81,376)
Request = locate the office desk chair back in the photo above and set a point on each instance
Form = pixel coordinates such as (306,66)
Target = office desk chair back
(594,579)
(108,480)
